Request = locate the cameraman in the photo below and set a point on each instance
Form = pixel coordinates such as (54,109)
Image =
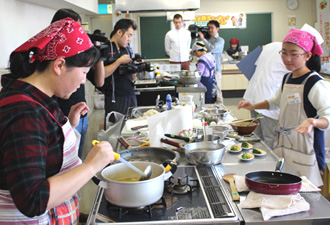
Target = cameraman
(119,88)
(215,45)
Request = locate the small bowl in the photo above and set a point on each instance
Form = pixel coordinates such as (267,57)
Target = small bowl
(244,128)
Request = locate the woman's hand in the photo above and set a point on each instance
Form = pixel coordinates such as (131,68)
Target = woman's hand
(76,111)
(306,126)
(245,105)
(101,155)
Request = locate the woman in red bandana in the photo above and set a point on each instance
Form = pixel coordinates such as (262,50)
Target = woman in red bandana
(40,171)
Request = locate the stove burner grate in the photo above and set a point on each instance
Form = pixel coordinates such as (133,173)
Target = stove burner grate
(181,186)
(122,211)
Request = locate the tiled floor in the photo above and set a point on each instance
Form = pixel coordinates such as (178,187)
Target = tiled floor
(88,192)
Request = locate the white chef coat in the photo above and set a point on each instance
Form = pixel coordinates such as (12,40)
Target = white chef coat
(267,78)
(177,45)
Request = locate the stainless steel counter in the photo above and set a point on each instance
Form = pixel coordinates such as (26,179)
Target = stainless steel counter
(320,207)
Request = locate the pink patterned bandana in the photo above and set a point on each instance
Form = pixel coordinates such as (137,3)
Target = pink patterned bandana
(61,39)
(304,40)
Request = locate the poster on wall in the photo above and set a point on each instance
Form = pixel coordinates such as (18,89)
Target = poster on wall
(323,19)
(292,22)
(226,20)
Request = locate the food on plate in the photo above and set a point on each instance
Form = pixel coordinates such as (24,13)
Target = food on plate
(235,148)
(257,151)
(246,144)
(247,156)
(149,113)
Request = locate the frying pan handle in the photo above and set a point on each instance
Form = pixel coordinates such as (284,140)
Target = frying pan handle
(170,142)
(186,139)
(279,165)
(123,142)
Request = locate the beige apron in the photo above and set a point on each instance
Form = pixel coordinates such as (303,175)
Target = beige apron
(297,149)
(9,214)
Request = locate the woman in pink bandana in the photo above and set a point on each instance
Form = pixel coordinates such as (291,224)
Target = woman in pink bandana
(304,105)
(40,171)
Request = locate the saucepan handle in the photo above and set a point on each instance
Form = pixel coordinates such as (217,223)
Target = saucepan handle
(170,168)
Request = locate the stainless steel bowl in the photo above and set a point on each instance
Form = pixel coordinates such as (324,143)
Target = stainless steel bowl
(146,75)
(220,131)
(190,80)
(205,153)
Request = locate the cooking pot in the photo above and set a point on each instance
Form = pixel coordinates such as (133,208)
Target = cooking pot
(125,193)
(146,75)
(273,182)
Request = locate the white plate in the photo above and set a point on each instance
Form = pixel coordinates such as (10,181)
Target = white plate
(247,148)
(240,157)
(258,154)
(234,151)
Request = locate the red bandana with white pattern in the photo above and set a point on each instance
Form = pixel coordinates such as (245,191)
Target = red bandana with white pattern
(61,39)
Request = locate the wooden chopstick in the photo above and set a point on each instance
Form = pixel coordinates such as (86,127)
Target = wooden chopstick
(236,121)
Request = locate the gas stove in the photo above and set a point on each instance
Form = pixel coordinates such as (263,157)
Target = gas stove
(193,195)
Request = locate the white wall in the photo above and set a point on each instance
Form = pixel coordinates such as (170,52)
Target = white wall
(19,22)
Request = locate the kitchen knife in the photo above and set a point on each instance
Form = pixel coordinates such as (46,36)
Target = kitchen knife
(186,139)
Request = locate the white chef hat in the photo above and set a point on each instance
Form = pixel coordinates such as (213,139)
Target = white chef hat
(308,28)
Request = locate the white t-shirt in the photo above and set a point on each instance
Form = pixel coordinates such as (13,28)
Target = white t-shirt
(177,45)
(267,78)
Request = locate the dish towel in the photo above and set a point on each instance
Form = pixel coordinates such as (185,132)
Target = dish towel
(306,185)
(275,205)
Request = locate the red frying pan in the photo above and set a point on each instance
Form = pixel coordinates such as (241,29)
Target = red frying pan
(275,183)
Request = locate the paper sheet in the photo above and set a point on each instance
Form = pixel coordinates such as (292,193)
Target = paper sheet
(171,122)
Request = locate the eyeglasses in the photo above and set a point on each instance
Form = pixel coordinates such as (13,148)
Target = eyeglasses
(285,54)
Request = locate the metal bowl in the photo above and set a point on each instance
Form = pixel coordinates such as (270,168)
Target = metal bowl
(209,137)
(220,131)
(190,80)
(204,153)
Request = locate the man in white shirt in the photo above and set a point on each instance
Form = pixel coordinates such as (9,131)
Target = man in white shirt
(177,43)
(265,81)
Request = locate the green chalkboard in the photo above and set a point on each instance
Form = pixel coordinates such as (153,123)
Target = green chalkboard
(258,31)
(153,31)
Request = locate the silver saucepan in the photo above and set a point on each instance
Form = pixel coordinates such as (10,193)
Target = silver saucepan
(122,187)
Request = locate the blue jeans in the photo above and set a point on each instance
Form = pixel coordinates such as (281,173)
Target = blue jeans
(82,129)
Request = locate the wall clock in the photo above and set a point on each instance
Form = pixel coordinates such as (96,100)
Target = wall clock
(292,4)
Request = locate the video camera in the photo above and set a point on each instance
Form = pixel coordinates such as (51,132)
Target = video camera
(135,66)
(194,29)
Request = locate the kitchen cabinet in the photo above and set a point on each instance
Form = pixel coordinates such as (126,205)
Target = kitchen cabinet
(234,82)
